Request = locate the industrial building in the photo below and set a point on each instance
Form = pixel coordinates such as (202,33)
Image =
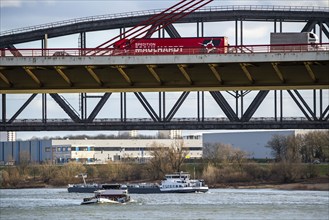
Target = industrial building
(37,151)
(252,142)
(91,150)
(139,150)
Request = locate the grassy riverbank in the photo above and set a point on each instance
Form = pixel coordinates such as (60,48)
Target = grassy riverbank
(247,175)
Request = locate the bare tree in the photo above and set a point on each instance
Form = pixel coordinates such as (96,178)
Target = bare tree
(302,147)
(219,153)
(211,153)
(167,159)
(315,146)
(278,144)
(158,162)
(176,155)
(292,151)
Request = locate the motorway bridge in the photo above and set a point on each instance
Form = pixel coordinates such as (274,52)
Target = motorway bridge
(242,69)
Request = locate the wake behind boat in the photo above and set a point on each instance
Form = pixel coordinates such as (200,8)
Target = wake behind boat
(110,194)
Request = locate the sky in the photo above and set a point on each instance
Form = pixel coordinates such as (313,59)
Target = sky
(24,13)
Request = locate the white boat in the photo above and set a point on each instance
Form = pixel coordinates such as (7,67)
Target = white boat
(182,183)
(110,193)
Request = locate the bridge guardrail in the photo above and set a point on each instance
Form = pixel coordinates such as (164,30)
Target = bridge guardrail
(242,49)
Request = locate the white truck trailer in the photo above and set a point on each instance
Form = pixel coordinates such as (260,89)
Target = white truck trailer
(293,41)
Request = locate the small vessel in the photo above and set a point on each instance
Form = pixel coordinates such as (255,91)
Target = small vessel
(110,193)
(83,187)
(179,182)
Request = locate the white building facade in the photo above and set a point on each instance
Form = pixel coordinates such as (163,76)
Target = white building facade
(101,151)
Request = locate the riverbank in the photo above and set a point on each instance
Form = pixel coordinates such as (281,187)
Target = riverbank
(318,183)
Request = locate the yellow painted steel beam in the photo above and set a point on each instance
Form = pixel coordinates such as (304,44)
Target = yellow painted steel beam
(246,71)
(94,75)
(124,74)
(215,72)
(154,74)
(4,78)
(278,72)
(162,89)
(310,71)
(185,74)
(32,75)
(63,75)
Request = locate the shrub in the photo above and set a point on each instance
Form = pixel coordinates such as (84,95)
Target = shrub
(257,171)
(11,177)
(286,172)
(311,171)
(210,174)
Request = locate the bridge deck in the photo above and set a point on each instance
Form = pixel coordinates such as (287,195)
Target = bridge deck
(190,72)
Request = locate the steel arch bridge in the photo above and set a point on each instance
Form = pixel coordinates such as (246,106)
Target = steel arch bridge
(311,16)
(161,116)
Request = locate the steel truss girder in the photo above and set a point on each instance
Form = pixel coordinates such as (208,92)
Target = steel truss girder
(303,106)
(99,106)
(166,121)
(28,101)
(172,31)
(14,51)
(176,106)
(147,106)
(323,116)
(66,107)
(310,25)
(254,105)
(223,104)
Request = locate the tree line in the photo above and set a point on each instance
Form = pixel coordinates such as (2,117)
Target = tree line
(306,148)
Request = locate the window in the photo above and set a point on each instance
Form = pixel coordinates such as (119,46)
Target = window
(47,149)
(107,148)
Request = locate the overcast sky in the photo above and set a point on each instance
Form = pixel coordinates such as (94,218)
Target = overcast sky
(23,13)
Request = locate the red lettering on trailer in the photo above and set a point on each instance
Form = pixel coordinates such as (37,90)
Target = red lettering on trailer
(144,46)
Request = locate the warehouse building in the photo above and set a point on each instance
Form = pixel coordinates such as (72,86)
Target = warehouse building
(91,150)
(252,142)
(13,152)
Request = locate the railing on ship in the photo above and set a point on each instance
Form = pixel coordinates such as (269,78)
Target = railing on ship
(156,11)
(244,49)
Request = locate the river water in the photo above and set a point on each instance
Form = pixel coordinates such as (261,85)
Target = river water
(47,204)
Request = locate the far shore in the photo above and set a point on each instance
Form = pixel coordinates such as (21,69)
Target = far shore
(318,184)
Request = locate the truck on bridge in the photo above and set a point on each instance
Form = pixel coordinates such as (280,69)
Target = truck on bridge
(191,45)
(293,41)
(303,41)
